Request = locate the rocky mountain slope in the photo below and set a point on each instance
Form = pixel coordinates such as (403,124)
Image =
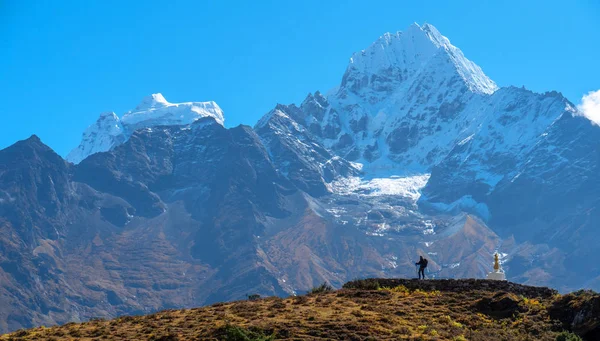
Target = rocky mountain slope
(136,229)
(364,310)
(416,152)
(143,227)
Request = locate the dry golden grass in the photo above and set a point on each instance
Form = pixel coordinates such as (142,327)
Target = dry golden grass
(395,313)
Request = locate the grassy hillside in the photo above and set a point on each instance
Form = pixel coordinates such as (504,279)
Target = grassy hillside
(383,309)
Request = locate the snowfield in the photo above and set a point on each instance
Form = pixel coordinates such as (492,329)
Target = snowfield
(406,187)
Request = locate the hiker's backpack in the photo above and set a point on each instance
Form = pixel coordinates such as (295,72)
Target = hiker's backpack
(424,262)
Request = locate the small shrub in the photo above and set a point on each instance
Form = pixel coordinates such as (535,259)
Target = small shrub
(21,333)
(75,333)
(451,322)
(532,303)
(300,300)
(167,337)
(96,332)
(279,304)
(97,319)
(435,293)
(397,289)
(584,292)
(235,333)
(253,297)
(357,313)
(323,288)
(568,336)
(126,319)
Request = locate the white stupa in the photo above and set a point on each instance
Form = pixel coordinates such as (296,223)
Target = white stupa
(498,273)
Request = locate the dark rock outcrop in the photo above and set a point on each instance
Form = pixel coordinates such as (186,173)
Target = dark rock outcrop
(579,312)
(459,285)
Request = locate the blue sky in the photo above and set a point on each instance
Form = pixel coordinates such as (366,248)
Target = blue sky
(65,62)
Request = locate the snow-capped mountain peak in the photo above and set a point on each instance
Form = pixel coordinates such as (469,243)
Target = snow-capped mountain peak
(152,101)
(154,110)
(399,101)
(410,99)
(99,137)
(396,58)
(110,122)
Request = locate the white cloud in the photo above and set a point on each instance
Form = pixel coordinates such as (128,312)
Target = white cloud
(590,106)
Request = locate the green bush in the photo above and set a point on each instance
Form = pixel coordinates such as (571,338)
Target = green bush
(568,336)
(321,289)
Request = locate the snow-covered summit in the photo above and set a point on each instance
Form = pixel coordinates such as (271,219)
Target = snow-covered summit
(154,110)
(152,101)
(400,104)
(412,101)
(396,58)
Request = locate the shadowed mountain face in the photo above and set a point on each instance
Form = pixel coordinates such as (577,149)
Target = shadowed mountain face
(416,153)
(168,219)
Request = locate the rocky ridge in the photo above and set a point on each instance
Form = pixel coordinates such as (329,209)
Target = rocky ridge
(383,309)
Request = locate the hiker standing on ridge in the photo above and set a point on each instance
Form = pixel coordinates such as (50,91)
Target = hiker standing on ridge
(422,263)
